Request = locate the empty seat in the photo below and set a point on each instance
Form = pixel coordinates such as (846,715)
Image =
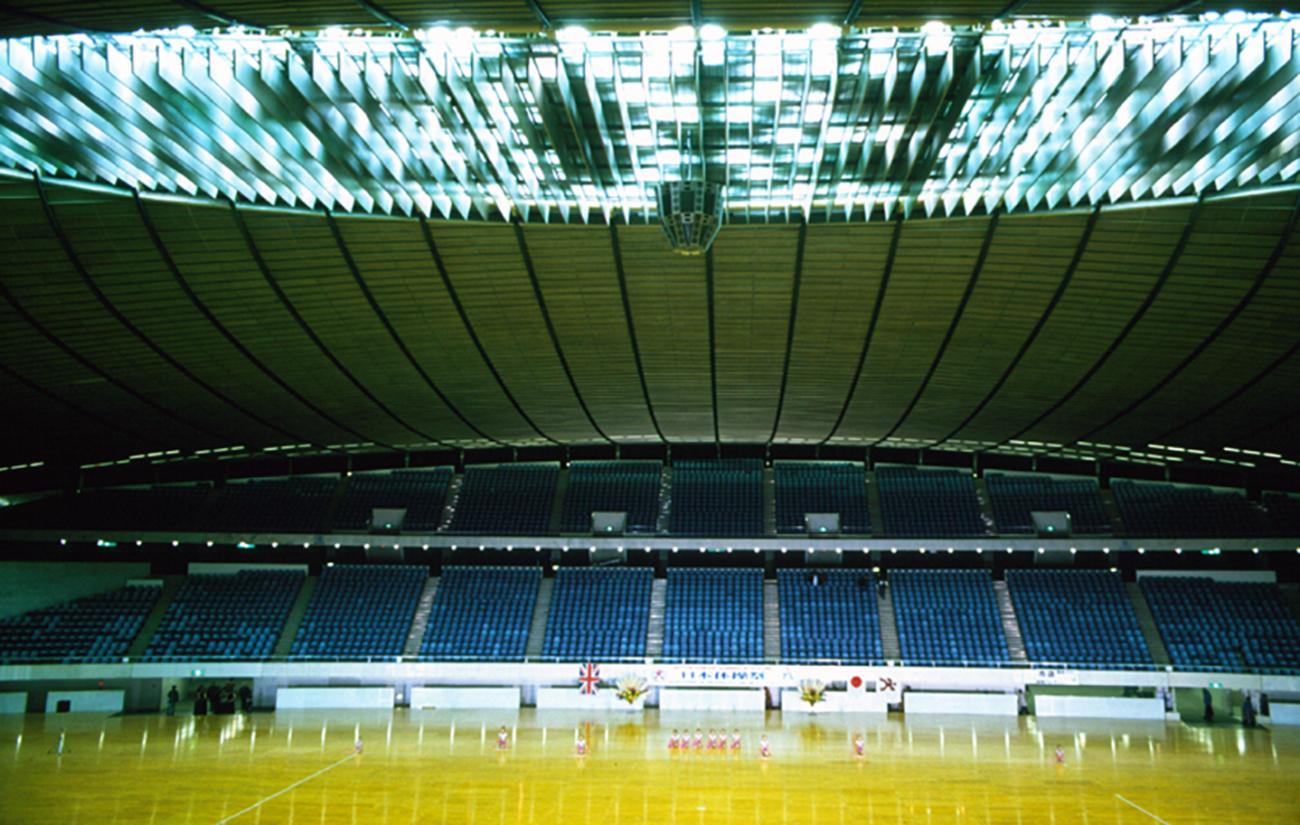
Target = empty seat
(296,504)
(717,498)
(599,613)
(226,616)
(924,501)
(1158,509)
(481,613)
(829,615)
(97,628)
(360,612)
(947,617)
(821,487)
(1078,617)
(714,615)
(509,499)
(612,486)
(1233,625)
(420,493)
(1015,497)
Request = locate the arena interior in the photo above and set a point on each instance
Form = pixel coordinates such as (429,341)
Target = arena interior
(649,411)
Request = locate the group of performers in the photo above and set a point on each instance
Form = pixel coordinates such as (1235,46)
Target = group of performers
(716,741)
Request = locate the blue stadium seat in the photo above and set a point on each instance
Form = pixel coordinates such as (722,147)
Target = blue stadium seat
(618,486)
(1232,625)
(1158,509)
(297,504)
(235,616)
(714,615)
(506,500)
(599,613)
(937,502)
(420,492)
(1077,617)
(836,619)
(1015,497)
(821,487)
(97,628)
(717,498)
(947,617)
(481,613)
(360,612)
(1283,514)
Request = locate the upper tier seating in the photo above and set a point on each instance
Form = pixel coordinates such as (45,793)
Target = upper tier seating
(1206,623)
(836,618)
(612,486)
(599,613)
(830,487)
(714,615)
(947,616)
(481,613)
(420,492)
(360,611)
(1078,617)
(1283,514)
(1158,509)
(717,498)
(506,500)
(1015,497)
(97,628)
(235,616)
(928,502)
(297,505)
(171,508)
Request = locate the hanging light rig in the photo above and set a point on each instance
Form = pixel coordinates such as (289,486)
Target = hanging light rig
(690,209)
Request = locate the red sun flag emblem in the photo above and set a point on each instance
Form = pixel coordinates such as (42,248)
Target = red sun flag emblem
(588,679)
(855,682)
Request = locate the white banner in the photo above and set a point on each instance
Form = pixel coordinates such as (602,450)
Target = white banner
(721,676)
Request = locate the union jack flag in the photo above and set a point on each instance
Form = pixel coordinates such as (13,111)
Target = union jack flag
(588,679)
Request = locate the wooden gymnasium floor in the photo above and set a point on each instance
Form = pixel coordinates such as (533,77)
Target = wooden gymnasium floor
(299,768)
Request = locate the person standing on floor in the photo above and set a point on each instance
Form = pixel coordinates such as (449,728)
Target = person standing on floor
(173,696)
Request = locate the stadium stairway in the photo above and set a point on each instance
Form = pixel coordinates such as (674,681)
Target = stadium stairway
(1010,626)
(654,643)
(1111,509)
(889,646)
(769,501)
(541,609)
(170,585)
(1291,592)
(665,500)
(873,504)
(420,621)
(284,645)
(449,507)
(986,506)
(557,504)
(771,619)
(1155,644)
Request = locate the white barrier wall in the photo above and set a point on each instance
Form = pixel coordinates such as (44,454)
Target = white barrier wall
(86,701)
(485,697)
(732,699)
(570,698)
(1099,707)
(975,704)
(1283,714)
(835,701)
(11,703)
(334,697)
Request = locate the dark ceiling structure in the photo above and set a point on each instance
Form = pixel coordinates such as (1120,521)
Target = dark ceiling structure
(181,286)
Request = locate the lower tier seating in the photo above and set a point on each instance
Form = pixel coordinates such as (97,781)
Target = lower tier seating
(481,613)
(97,628)
(360,611)
(1231,625)
(599,613)
(829,615)
(947,616)
(714,615)
(234,616)
(1078,617)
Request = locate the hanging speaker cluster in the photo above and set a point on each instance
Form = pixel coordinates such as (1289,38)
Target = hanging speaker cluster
(690,212)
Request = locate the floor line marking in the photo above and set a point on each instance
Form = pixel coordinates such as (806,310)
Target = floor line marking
(1140,808)
(259,803)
